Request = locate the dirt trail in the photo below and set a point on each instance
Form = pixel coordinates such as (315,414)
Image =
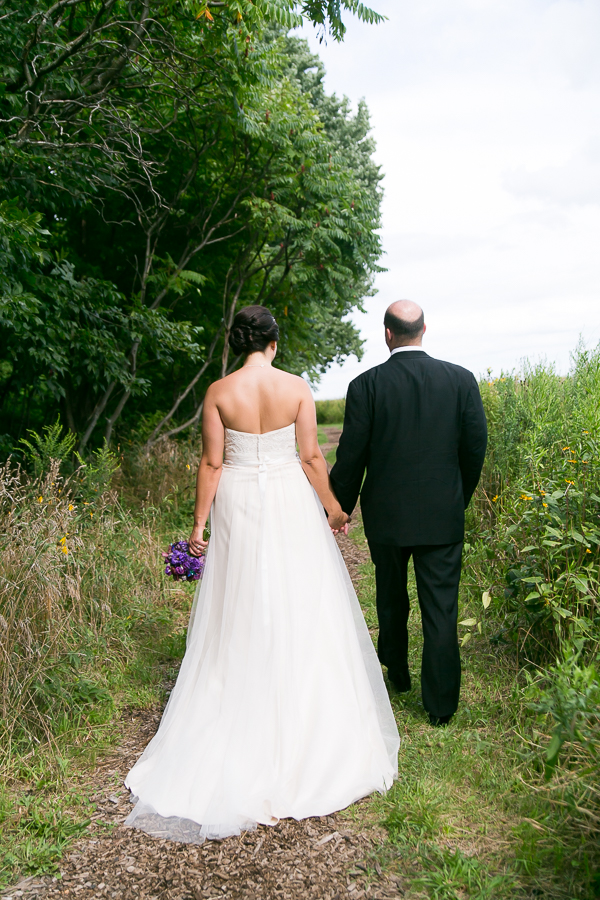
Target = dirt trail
(326,858)
(333,437)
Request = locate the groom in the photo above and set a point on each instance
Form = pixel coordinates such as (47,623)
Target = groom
(417,425)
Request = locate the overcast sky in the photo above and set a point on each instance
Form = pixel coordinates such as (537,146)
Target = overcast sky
(486,117)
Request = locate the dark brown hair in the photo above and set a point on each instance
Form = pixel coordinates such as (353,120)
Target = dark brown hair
(253,329)
(400,328)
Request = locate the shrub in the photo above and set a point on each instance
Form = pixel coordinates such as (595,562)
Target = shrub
(330,412)
(534,528)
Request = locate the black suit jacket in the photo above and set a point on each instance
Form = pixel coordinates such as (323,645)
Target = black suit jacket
(417,426)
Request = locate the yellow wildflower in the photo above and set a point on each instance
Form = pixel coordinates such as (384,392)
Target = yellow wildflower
(587,550)
(494,498)
(569,482)
(40,499)
(566,448)
(187,465)
(71,507)
(544,504)
(65,549)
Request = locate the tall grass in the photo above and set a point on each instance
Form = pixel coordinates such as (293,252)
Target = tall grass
(532,564)
(81,590)
(88,624)
(534,528)
(330,412)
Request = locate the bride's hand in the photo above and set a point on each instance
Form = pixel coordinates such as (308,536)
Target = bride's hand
(197,545)
(338,521)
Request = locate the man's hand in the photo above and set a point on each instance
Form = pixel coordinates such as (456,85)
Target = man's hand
(338,521)
(196,544)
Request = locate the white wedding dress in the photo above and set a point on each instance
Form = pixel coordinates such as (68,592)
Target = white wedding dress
(280,707)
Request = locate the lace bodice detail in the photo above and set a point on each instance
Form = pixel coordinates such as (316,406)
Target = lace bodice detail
(245,449)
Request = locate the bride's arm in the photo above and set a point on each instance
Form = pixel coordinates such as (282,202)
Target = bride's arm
(313,462)
(209,471)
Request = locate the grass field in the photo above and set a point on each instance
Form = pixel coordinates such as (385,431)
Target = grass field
(469,816)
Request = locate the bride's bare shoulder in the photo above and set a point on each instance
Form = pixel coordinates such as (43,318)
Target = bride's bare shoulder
(294,383)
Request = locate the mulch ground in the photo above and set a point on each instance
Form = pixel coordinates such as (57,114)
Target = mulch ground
(326,858)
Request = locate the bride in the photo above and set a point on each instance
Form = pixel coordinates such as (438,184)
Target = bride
(279,709)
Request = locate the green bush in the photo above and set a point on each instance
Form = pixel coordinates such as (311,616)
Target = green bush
(533,552)
(533,531)
(330,412)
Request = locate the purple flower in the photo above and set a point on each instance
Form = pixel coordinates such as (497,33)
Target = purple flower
(181,565)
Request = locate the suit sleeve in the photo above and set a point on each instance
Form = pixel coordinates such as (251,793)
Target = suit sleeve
(473,441)
(351,460)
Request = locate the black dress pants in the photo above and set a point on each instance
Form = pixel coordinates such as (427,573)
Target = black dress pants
(437,571)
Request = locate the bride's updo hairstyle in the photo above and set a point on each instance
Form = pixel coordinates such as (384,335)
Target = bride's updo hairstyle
(253,329)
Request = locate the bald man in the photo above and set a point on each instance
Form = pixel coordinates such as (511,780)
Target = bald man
(417,426)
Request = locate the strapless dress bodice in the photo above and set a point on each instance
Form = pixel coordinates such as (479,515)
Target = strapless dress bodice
(271,448)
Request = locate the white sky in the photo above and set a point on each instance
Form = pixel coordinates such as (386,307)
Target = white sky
(486,117)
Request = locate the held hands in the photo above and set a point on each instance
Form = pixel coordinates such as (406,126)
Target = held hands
(338,521)
(197,545)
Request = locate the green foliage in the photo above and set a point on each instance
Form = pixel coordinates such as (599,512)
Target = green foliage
(471,814)
(330,412)
(51,445)
(176,163)
(44,833)
(96,475)
(568,693)
(534,529)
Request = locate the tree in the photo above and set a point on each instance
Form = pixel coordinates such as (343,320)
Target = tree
(180,165)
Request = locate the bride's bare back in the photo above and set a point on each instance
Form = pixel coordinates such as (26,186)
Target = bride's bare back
(256,399)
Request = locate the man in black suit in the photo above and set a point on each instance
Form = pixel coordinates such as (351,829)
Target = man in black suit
(417,426)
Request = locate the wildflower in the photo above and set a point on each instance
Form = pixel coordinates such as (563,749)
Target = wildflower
(91,514)
(544,504)
(65,549)
(63,540)
(572,460)
(494,498)
(71,507)
(40,499)
(566,448)
(586,432)
(187,465)
(569,482)
(526,497)
(587,550)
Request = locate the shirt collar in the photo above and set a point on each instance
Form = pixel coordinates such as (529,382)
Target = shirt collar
(403,349)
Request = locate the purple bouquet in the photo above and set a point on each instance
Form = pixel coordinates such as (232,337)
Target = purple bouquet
(181,565)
